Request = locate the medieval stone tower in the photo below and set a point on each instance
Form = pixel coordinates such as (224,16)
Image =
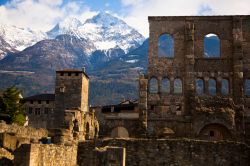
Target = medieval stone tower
(71,92)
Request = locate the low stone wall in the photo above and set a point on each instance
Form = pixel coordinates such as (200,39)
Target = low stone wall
(5,157)
(182,152)
(23,131)
(45,154)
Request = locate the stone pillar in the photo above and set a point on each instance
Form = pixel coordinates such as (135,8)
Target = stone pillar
(143,92)
(189,84)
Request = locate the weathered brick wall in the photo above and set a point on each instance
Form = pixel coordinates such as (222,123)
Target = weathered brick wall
(41,154)
(170,152)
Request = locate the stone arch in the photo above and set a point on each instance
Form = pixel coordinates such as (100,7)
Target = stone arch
(177,86)
(225,87)
(212,90)
(247,87)
(214,132)
(165,85)
(199,86)
(211,46)
(166,45)
(119,132)
(153,85)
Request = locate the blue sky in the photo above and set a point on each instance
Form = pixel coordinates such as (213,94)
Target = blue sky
(44,14)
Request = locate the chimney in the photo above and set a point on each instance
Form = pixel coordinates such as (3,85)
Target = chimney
(83,69)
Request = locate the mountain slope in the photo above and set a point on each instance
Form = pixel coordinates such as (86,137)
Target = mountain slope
(5,48)
(20,38)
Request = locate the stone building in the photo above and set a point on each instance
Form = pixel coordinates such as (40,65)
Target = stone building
(197,89)
(66,109)
(120,120)
(40,109)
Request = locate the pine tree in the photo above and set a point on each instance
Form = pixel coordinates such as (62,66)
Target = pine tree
(11,107)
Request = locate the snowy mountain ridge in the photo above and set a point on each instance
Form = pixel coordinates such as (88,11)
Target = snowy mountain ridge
(20,38)
(104,30)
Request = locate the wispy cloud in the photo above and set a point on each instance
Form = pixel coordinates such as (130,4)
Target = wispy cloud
(140,10)
(41,14)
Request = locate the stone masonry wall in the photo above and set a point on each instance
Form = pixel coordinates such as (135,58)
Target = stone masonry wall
(23,132)
(42,155)
(143,152)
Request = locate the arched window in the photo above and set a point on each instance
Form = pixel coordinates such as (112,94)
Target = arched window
(212,87)
(165,85)
(211,46)
(247,87)
(177,86)
(199,87)
(153,85)
(166,46)
(224,87)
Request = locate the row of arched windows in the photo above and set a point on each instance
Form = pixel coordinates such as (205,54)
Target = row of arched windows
(212,87)
(211,46)
(165,86)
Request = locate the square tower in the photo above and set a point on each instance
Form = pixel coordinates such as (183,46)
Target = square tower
(71,92)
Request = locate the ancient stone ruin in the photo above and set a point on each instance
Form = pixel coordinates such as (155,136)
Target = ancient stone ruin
(193,106)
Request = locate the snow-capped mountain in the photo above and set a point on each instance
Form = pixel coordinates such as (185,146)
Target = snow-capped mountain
(20,38)
(104,30)
(5,48)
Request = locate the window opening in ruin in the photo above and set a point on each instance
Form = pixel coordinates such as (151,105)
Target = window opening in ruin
(61,74)
(30,110)
(76,74)
(165,86)
(153,85)
(166,46)
(199,87)
(31,101)
(211,133)
(47,101)
(212,87)
(211,46)
(87,130)
(177,86)
(224,87)
(247,87)
(46,110)
(39,101)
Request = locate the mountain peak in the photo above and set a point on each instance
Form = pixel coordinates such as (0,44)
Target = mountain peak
(105,20)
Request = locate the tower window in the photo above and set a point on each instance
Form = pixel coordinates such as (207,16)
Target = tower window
(212,87)
(247,87)
(199,87)
(153,85)
(177,86)
(211,46)
(166,46)
(165,86)
(224,87)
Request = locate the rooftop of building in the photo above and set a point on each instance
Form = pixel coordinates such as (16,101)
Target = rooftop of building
(73,71)
(42,97)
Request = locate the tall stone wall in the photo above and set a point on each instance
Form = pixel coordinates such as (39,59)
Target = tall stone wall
(143,152)
(41,154)
(23,131)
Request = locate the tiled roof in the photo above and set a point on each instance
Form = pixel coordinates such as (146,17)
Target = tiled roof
(42,97)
